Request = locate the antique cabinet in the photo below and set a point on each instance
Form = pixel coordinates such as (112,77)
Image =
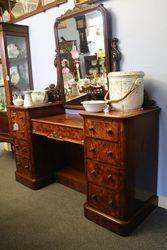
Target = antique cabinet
(15,71)
(121,167)
(27,171)
(112,157)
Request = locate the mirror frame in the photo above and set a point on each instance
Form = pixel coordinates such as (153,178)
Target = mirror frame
(113,55)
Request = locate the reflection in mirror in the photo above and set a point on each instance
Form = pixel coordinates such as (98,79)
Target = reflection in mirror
(83,56)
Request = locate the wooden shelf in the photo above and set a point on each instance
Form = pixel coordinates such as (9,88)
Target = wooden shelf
(5,138)
(17,60)
(73,178)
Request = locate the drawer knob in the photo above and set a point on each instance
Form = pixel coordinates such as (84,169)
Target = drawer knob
(91,129)
(93,150)
(109,153)
(109,131)
(93,172)
(26,166)
(109,176)
(110,203)
(94,197)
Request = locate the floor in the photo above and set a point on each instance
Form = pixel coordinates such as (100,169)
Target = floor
(52,219)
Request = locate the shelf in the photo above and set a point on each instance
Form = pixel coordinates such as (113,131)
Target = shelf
(17,60)
(5,138)
(73,178)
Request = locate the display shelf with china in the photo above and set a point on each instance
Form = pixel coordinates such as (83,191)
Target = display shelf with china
(4,127)
(16,71)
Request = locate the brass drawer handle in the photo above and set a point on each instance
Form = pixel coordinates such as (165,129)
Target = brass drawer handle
(110,177)
(55,136)
(94,197)
(109,131)
(93,172)
(27,166)
(91,129)
(93,150)
(109,154)
(110,203)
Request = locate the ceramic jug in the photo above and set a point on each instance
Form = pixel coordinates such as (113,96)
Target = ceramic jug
(28,99)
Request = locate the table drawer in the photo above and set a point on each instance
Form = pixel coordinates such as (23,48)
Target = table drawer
(23,166)
(56,132)
(18,124)
(104,200)
(104,151)
(22,148)
(102,129)
(104,175)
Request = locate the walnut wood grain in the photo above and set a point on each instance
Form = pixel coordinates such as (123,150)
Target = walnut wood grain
(102,151)
(26,171)
(64,127)
(104,200)
(121,168)
(103,130)
(128,174)
(105,175)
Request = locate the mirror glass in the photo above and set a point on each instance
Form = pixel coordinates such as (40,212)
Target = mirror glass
(83,56)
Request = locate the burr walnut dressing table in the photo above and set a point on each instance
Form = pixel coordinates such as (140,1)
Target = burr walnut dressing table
(111,157)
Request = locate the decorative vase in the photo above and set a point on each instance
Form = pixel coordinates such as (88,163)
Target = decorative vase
(126,90)
(74,89)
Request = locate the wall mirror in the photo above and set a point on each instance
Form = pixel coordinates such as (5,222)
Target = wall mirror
(83,40)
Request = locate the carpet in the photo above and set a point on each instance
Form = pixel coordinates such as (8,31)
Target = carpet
(52,219)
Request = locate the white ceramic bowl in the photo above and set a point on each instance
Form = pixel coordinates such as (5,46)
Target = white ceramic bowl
(94,105)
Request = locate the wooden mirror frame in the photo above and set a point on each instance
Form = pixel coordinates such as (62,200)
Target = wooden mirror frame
(113,54)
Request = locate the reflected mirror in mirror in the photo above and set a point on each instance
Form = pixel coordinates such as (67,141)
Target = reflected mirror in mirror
(83,56)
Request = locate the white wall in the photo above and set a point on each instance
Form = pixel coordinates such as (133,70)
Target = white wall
(141,27)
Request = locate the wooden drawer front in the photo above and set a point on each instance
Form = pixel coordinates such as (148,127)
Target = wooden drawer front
(23,166)
(22,148)
(103,151)
(59,132)
(102,129)
(103,200)
(104,175)
(18,124)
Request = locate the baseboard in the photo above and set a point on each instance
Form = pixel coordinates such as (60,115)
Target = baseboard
(162,202)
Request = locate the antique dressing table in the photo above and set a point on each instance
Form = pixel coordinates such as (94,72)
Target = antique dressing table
(111,157)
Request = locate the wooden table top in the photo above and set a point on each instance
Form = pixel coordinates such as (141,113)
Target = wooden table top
(120,115)
(68,120)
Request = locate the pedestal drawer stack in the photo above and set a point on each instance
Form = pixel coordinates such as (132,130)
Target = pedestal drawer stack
(121,167)
(105,174)
(27,173)
(22,143)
